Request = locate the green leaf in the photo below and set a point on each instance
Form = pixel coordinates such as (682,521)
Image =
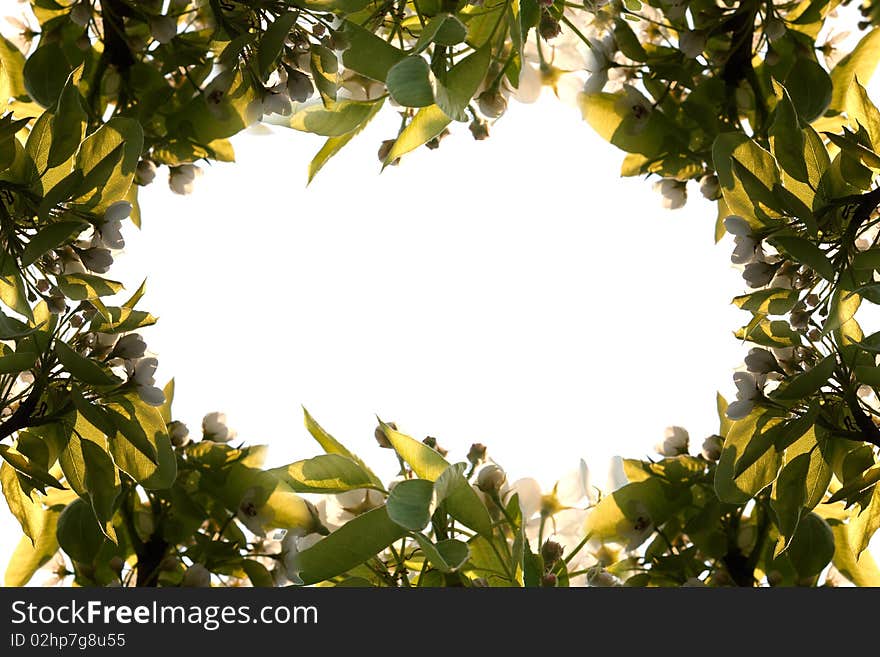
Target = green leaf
(409,82)
(812,547)
(78,532)
(37,473)
(352,544)
(257,574)
(455,92)
(771,301)
(443,29)
(12,67)
(730,146)
(622,515)
(446,556)
(787,138)
(810,88)
(69,123)
(409,503)
(862,112)
(788,498)
(334,121)
(461,501)
(844,305)
(857,66)
(806,253)
(14,295)
(28,558)
(861,570)
(24,505)
(341,6)
(84,369)
(326,473)
(15,362)
(99,152)
(141,447)
(611,116)
(426,124)
(121,320)
(368,54)
(45,73)
(332,446)
(334,144)
(325,67)
(804,385)
(79,287)
(861,528)
(272,42)
(733,488)
(62,191)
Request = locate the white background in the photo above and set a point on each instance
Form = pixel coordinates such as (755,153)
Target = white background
(514,292)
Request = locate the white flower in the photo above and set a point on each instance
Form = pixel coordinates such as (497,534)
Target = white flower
(145,172)
(299,86)
(692,43)
(276,101)
(674,193)
(710,188)
(214,428)
(747,391)
(163,28)
(335,510)
(130,347)
(181,178)
(142,374)
(197,576)
(675,442)
(712,448)
(758,274)
(597,62)
(291,547)
(96,259)
(761,361)
(56,571)
(737,226)
(109,231)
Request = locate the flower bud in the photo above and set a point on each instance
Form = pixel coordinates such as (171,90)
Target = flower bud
(431,442)
(551,551)
(476,454)
(710,188)
(712,448)
(479,129)
(492,104)
(549,27)
(382,438)
(144,173)
(214,428)
(491,478)
(179,433)
(675,442)
(549,580)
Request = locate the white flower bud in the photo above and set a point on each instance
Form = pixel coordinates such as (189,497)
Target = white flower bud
(491,478)
(181,178)
(675,442)
(710,188)
(674,193)
(712,446)
(179,433)
(144,173)
(492,104)
(214,428)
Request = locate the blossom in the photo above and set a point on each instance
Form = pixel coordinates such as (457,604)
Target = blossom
(758,274)
(761,361)
(130,347)
(214,428)
(163,28)
(691,43)
(675,442)
(597,62)
(181,178)
(142,373)
(674,193)
(81,14)
(96,259)
(108,232)
(299,86)
(747,248)
(599,577)
(275,101)
(747,392)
